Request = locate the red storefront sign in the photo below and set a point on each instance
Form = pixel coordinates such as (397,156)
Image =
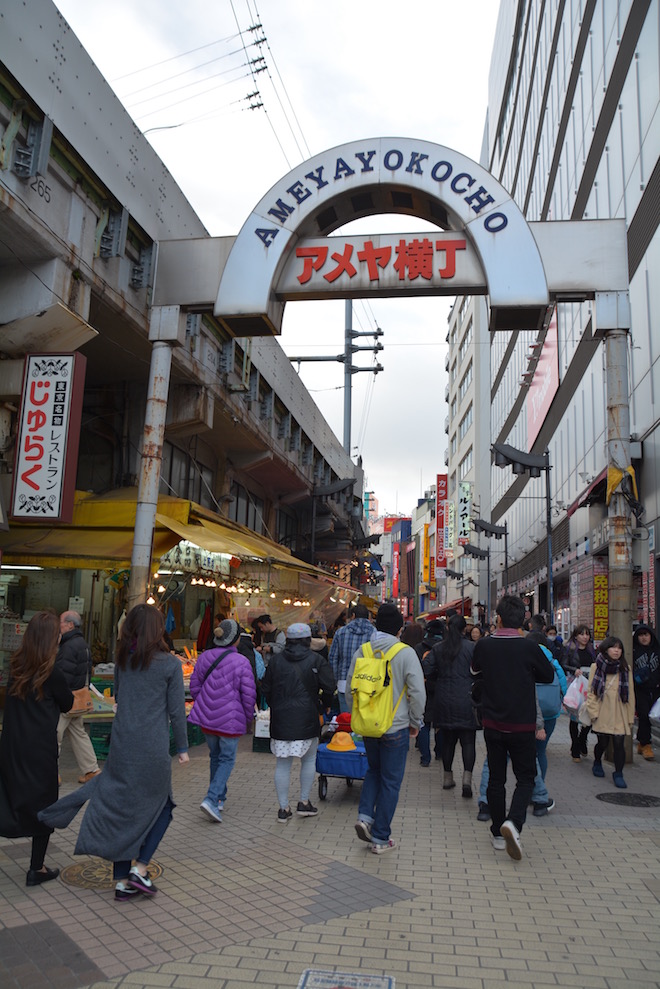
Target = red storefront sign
(396,556)
(440,522)
(48,436)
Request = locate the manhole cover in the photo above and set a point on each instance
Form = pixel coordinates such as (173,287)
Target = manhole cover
(97,874)
(629,799)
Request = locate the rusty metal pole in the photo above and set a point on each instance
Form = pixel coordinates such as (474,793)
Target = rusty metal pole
(613,314)
(165,332)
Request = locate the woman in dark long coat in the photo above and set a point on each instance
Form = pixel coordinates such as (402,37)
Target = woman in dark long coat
(36,696)
(130,803)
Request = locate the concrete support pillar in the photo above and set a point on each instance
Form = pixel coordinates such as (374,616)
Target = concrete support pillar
(165,332)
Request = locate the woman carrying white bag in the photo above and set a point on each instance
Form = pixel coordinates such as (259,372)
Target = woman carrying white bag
(611,705)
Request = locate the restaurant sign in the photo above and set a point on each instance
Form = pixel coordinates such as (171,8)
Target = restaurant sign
(48,436)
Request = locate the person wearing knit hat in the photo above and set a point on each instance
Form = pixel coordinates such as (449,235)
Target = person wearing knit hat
(224,690)
(297,684)
(386,755)
(646,678)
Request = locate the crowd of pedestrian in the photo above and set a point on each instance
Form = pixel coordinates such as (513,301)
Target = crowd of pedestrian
(510,680)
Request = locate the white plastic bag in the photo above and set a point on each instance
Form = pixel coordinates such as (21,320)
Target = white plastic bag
(576,695)
(655,711)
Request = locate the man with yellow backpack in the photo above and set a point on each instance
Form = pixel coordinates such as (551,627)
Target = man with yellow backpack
(385,694)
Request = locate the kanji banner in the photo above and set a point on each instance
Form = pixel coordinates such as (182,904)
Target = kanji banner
(48,437)
(440,509)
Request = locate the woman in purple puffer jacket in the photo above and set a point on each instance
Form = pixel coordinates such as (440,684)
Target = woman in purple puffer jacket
(223,688)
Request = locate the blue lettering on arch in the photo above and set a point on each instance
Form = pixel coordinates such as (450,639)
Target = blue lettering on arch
(281,211)
(398,157)
(435,173)
(495,222)
(365,157)
(342,170)
(266,235)
(317,177)
(414,163)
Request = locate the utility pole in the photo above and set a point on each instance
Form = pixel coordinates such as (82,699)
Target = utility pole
(350,369)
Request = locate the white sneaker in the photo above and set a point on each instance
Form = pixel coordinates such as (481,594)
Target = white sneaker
(211,812)
(511,836)
(498,842)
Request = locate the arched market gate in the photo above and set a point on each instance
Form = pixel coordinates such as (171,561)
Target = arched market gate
(484,246)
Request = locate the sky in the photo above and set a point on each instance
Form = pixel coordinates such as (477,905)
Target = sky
(231,107)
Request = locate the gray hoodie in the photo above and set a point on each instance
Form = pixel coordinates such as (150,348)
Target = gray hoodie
(406,671)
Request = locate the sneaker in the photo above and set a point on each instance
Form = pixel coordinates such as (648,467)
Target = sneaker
(498,842)
(619,781)
(511,836)
(140,882)
(597,769)
(379,847)
(283,814)
(647,752)
(213,813)
(541,809)
(306,810)
(363,830)
(221,805)
(484,812)
(125,892)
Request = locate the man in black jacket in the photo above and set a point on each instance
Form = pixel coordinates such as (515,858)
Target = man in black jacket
(74,660)
(510,667)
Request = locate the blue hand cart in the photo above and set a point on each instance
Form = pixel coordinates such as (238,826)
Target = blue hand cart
(352,765)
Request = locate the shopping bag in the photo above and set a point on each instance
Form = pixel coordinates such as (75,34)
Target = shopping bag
(576,695)
(82,703)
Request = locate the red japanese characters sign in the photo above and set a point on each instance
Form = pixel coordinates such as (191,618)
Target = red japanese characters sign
(48,435)
(380,265)
(440,521)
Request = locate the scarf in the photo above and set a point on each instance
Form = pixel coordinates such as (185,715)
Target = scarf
(606,667)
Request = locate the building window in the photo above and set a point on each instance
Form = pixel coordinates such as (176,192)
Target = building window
(453,372)
(452,484)
(246,509)
(465,422)
(286,528)
(453,445)
(465,342)
(465,465)
(466,381)
(184,477)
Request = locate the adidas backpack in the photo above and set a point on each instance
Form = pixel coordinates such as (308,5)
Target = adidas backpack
(373,708)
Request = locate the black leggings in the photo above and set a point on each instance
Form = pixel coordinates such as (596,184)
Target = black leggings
(39,846)
(618,747)
(578,737)
(466,736)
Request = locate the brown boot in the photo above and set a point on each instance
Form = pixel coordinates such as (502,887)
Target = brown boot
(448,781)
(647,752)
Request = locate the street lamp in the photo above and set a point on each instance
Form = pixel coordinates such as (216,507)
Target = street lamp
(458,575)
(481,554)
(532,464)
(480,525)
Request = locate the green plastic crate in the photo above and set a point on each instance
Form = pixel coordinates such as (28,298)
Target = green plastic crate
(99,735)
(195,735)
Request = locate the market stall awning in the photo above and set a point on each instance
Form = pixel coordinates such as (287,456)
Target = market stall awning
(460,605)
(100,536)
(226,537)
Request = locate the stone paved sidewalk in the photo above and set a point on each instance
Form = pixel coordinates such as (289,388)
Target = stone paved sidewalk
(254,901)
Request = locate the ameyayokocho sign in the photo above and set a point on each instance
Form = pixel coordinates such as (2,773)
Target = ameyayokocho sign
(378,176)
(48,436)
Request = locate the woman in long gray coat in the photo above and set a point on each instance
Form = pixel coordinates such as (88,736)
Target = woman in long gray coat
(130,803)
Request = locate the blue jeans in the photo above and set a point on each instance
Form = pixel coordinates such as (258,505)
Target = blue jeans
(541,754)
(386,757)
(222,752)
(519,746)
(120,870)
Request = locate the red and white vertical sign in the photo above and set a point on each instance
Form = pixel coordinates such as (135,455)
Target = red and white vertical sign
(48,436)
(396,560)
(440,522)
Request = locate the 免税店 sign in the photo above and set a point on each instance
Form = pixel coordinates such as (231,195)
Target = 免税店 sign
(48,436)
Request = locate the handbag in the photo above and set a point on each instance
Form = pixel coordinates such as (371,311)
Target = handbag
(549,698)
(583,716)
(82,703)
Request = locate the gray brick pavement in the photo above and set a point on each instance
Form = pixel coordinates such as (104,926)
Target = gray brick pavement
(251,901)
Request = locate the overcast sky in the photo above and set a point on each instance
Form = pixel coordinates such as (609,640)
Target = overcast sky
(325,74)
